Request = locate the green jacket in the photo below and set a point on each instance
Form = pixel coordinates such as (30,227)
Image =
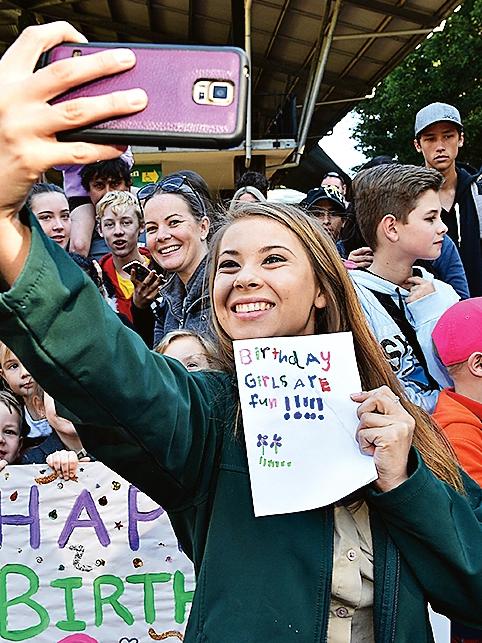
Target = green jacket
(170,432)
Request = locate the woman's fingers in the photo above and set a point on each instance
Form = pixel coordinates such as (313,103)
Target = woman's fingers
(83,111)
(380,400)
(61,75)
(22,56)
(76,153)
(385,432)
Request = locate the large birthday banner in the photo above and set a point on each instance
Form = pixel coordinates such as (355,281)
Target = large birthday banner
(299,421)
(88,561)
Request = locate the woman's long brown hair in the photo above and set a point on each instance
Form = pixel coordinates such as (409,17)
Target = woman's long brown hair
(342,313)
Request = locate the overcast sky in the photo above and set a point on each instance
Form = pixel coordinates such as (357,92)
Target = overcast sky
(340,146)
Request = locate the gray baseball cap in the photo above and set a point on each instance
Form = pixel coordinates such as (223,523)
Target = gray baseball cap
(434,113)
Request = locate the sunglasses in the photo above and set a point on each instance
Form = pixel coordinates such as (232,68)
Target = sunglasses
(172,184)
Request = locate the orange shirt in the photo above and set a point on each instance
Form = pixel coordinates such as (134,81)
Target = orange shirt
(461,420)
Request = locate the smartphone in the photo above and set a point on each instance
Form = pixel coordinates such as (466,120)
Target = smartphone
(140,270)
(197,95)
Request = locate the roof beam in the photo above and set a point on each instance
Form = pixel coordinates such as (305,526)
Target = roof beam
(417,17)
(194,33)
(100,22)
(237,23)
(289,69)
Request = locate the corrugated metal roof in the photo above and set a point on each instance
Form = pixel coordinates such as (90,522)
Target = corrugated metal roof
(286,37)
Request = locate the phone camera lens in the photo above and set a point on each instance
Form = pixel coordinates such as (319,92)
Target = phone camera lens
(201,95)
(220,92)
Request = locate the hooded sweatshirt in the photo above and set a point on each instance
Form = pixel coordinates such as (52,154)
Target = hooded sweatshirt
(461,420)
(422,315)
(463,226)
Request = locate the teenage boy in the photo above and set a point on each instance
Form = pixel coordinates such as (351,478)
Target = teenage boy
(84,186)
(120,222)
(439,136)
(458,340)
(398,211)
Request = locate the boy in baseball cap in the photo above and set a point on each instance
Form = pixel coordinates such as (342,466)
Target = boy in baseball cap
(439,136)
(457,337)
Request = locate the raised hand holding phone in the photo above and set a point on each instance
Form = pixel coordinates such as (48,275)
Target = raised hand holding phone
(28,122)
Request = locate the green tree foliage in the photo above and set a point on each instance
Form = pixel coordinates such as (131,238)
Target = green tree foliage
(446,67)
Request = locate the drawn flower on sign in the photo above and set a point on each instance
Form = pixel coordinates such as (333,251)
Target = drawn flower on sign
(262,441)
(276,442)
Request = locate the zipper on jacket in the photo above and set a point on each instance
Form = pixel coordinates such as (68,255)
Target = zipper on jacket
(395,599)
(386,577)
(327,572)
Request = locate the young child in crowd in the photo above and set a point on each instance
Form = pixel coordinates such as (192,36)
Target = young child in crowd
(22,384)
(120,222)
(13,429)
(190,348)
(398,211)
(458,339)
(13,433)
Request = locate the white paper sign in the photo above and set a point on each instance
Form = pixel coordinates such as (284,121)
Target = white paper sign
(93,561)
(299,421)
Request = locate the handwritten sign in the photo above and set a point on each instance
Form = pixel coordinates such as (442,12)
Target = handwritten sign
(299,421)
(92,561)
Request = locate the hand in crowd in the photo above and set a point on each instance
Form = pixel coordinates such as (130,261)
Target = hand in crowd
(418,288)
(28,123)
(385,431)
(362,257)
(65,463)
(147,290)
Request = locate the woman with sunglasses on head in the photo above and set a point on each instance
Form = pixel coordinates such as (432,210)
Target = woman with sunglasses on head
(359,571)
(177,226)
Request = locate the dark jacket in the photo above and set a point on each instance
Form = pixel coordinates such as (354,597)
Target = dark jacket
(449,268)
(465,230)
(170,432)
(183,306)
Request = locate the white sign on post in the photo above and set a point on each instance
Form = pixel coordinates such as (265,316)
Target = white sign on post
(299,421)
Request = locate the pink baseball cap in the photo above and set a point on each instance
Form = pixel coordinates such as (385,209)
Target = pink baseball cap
(458,333)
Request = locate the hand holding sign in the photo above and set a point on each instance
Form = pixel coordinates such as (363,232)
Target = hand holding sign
(299,421)
(385,431)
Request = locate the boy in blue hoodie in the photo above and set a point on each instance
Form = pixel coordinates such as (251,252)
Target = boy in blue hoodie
(398,211)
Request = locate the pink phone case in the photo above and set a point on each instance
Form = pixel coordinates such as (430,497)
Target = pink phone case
(167,73)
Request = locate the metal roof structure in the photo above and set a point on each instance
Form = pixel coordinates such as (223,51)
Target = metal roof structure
(312,60)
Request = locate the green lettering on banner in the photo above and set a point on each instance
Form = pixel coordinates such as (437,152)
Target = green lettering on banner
(23,599)
(181,597)
(70,624)
(111,600)
(148,581)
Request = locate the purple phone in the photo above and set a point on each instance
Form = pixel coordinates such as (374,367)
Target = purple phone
(197,95)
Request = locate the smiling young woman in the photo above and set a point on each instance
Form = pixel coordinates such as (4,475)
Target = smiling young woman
(175,434)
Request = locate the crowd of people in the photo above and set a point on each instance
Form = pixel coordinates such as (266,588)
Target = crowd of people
(97,273)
